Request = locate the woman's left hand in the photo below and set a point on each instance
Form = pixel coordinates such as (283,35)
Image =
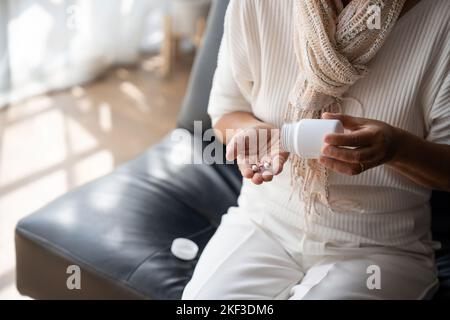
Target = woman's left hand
(369,144)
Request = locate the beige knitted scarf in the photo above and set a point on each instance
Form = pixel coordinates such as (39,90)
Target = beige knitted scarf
(333,46)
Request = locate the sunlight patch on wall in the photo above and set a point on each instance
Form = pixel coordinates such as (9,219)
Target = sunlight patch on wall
(25,141)
(105,117)
(136,95)
(92,167)
(79,138)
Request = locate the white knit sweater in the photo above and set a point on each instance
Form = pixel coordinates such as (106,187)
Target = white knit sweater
(408,87)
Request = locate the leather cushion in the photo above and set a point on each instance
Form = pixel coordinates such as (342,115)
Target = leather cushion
(123,224)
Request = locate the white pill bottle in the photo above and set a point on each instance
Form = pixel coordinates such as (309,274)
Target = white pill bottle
(306,137)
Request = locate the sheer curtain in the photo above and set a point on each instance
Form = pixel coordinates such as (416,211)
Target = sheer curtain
(53,44)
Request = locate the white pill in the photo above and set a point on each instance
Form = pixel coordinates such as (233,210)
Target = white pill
(184,249)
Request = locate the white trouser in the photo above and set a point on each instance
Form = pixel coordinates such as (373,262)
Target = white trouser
(243,260)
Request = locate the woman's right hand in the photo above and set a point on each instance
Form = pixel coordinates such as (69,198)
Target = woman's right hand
(259,146)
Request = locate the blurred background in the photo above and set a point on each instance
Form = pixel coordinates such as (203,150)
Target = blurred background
(85,85)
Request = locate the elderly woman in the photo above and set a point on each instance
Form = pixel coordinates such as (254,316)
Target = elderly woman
(354,223)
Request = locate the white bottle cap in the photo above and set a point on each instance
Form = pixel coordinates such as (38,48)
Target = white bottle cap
(184,249)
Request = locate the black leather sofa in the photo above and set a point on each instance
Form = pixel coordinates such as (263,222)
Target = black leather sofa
(119,229)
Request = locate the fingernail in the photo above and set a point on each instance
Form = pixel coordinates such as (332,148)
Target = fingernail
(266,174)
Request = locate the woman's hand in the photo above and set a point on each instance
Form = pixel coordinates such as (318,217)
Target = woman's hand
(257,150)
(369,144)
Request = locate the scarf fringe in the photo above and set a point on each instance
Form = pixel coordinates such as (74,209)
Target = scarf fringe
(309,174)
